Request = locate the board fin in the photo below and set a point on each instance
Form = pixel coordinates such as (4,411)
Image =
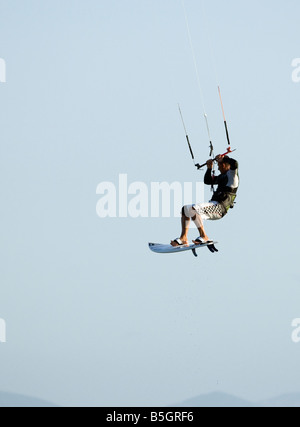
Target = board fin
(212,248)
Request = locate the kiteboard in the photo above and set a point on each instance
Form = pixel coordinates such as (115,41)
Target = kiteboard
(160,248)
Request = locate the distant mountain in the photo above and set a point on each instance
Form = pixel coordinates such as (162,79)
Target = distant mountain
(222,400)
(10,400)
(291,400)
(217,399)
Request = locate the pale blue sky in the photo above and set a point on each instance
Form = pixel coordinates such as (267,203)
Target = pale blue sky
(93,317)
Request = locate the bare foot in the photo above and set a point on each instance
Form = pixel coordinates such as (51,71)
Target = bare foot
(204,240)
(174,243)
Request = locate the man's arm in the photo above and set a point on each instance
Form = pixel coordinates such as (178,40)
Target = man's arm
(209,179)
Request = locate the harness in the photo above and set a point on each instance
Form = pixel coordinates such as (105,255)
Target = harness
(226,199)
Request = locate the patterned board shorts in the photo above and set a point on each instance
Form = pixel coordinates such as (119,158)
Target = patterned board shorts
(207,211)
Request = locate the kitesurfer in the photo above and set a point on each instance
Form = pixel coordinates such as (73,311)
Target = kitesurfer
(220,203)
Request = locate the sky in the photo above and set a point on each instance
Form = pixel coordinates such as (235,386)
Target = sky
(91,91)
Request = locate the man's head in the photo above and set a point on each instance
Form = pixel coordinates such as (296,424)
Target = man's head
(224,164)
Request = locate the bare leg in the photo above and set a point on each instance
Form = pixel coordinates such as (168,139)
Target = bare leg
(199,223)
(185,225)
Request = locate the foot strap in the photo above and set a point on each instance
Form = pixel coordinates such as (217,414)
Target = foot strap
(179,242)
(201,241)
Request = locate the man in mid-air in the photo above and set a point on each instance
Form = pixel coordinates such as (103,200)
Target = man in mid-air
(220,203)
